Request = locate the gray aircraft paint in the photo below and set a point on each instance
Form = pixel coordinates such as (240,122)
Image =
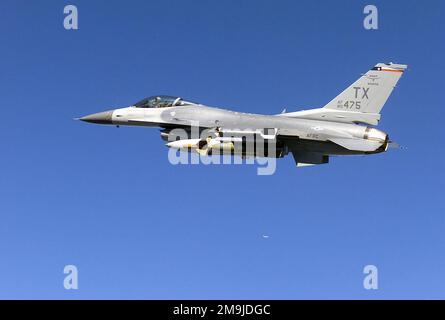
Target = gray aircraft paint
(339,128)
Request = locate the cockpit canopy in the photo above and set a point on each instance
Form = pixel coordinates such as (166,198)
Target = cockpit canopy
(160,102)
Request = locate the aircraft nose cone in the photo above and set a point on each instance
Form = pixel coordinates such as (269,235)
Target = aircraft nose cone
(101,117)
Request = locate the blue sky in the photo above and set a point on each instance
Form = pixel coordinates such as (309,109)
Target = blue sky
(108,201)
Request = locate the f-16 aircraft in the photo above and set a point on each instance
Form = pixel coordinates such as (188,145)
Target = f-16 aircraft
(344,126)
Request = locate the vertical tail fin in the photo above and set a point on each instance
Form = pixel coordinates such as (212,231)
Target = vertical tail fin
(362,101)
(370,92)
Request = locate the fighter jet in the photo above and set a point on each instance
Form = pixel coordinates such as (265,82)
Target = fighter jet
(344,126)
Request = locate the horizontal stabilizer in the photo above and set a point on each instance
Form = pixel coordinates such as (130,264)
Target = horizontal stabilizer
(335,115)
(357,144)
